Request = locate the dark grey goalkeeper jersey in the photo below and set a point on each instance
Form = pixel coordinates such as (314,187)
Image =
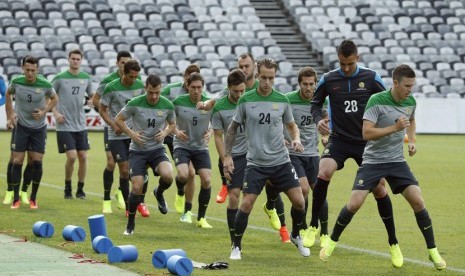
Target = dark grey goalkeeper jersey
(29,97)
(264,118)
(384,111)
(71,90)
(347,98)
(193,121)
(115,97)
(149,119)
(223,113)
(305,123)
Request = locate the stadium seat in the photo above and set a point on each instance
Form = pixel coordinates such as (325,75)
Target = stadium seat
(284,88)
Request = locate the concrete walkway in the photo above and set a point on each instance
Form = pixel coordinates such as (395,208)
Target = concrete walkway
(27,258)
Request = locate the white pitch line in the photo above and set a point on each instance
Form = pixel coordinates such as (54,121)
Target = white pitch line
(347,247)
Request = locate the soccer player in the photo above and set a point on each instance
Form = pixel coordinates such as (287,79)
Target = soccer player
(223,112)
(306,163)
(72,86)
(27,174)
(264,112)
(388,116)
(121,58)
(348,88)
(171,91)
(115,96)
(246,63)
(275,211)
(191,146)
(34,97)
(152,118)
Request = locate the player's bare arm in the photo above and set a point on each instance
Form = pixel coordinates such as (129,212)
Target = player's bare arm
(10,114)
(51,103)
(162,133)
(323,126)
(104,114)
(228,164)
(294,132)
(96,100)
(412,149)
(218,136)
(207,135)
(181,135)
(137,137)
(59,118)
(371,132)
(207,105)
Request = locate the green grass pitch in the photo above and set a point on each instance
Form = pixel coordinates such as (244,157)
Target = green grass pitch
(438,165)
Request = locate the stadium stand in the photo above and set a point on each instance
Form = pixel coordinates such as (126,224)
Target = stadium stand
(427,35)
(166,36)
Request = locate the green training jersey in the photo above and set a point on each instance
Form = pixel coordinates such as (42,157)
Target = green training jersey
(107,79)
(304,120)
(384,111)
(115,97)
(71,90)
(148,119)
(30,97)
(264,118)
(222,116)
(193,121)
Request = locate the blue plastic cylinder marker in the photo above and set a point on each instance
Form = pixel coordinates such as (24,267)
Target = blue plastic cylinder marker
(122,253)
(102,244)
(160,257)
(179,265)
(97,226)
(43,229)
(74,233)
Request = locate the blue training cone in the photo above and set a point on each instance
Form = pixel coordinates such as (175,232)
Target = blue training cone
(122,253)
(43,229)
(74,233)
(102,244)
(179,265)
(97,226)
(160,257)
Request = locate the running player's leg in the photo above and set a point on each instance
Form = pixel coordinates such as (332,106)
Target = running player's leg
(82,146)
(223,193)
(164,169)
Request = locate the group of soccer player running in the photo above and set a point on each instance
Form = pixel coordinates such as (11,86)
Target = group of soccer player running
(265,139)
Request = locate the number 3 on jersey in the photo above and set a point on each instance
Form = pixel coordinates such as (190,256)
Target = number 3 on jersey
(351,106)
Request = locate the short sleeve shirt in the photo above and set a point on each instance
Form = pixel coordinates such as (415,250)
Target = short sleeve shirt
(71,90)
(115,97)
(384,111)
(148,119)
(30,97)
(193,121)
(222,116)
(305,123)
(264,118)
